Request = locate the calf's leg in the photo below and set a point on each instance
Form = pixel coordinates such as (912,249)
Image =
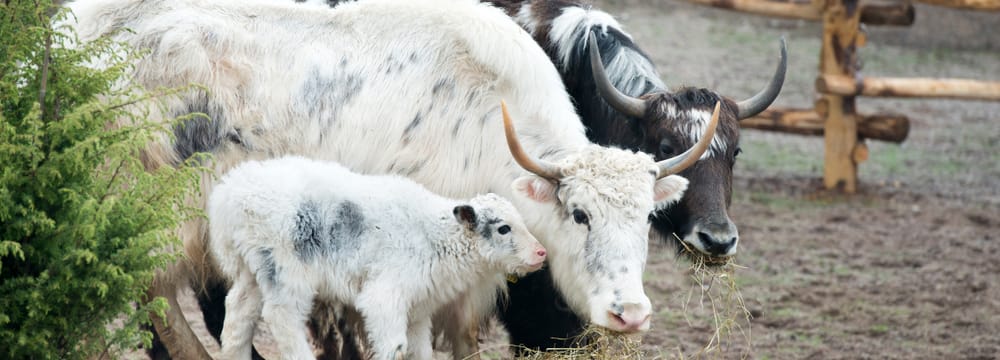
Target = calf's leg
(419,338)
(243,308)
(285,313)
(385,321)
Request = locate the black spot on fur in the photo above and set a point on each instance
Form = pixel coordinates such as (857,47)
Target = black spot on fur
(348,224)
(308,236)
(486,117)
(458,125)
(413,125)
(617,308)
(592,256)
(268,269)
(320,231)
(486,228)
(202,132)
(417,167)
(324,96)
(443,84)
(548,153)
(471,99)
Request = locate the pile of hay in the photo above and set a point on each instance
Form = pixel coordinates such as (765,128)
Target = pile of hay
(713,291)
(714,281)
(600,344)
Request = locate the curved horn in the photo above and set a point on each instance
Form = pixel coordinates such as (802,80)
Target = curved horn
(537,166)
(680,162)
(757,103)
(623,103)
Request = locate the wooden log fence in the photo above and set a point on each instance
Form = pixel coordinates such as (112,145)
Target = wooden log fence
(839,81)
(884,127)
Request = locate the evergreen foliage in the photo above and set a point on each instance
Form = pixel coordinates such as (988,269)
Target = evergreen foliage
(83,226)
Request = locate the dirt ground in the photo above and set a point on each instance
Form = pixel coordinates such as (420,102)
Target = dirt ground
(905,269)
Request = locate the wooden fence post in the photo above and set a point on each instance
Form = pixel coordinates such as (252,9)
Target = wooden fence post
(838,56)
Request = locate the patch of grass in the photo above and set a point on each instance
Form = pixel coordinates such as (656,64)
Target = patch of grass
(761,154)
(842,270)
(787,312)
(782,202)
(774,201)
(904,60)
(727,37)
(889,159)
(809,339)
(879,328)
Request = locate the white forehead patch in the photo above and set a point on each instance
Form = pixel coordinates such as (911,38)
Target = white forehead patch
(696,122)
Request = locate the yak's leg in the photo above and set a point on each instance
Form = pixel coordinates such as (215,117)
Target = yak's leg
(351,327)
(174,332)
(321,325)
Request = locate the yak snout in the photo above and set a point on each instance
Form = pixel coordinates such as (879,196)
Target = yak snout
(717,239)
(629,317)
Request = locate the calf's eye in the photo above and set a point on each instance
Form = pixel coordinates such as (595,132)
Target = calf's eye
(503,229)
(580,217)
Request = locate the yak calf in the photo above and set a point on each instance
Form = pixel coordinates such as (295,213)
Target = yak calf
(291,229)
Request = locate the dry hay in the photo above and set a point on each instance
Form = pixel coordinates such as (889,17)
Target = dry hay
(718,296)
(594,343)
(714,281)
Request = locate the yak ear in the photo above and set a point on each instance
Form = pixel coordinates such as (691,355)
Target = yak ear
(535,188)
(669,190)
(465,215)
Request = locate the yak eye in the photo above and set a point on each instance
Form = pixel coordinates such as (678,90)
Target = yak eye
(580,217)
(737,152)
(503,229)
(665,148)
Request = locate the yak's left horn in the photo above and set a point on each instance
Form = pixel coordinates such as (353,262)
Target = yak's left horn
(623,103)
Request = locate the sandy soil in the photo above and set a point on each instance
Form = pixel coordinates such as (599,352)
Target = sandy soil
(906,269)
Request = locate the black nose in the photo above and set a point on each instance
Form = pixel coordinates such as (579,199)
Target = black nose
(716,246)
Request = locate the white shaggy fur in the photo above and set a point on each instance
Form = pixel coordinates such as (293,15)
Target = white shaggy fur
(290,229)
(402,87)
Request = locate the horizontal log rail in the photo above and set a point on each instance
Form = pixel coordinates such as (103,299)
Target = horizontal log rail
(988,5)
(900,14)
(884,127)
(909,87)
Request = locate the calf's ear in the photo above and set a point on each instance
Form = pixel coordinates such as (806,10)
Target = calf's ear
(465,215)
(535,188)
(669,190)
